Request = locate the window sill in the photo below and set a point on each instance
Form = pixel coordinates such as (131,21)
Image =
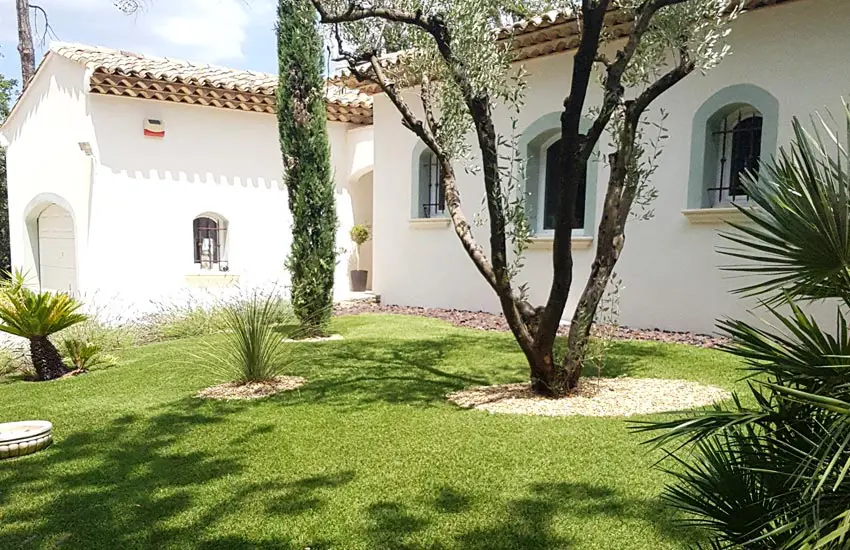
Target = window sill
(430,223)
(214,279)
(715,216)
(547,241)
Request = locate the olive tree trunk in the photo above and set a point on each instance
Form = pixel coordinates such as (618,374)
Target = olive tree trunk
(611,239)
(535,329)
(623,184)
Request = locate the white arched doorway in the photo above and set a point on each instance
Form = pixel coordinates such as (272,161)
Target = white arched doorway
(56,249)
(361,202)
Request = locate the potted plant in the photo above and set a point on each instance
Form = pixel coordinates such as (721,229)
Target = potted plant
(359,235)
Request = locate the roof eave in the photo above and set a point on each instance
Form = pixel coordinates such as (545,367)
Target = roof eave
(23,96)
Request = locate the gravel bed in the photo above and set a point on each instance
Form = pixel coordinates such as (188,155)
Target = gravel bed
(594,397)
(252,390)
(481,320)
(331,338)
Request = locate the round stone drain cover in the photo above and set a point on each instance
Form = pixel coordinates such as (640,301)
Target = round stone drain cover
(24,438)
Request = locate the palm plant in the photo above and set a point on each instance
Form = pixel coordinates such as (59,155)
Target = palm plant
(84,355)
(775,475)
(35,316)
(798,240)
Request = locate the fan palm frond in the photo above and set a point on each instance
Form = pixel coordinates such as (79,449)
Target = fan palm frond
(798,236)
(31,314)
(777,475)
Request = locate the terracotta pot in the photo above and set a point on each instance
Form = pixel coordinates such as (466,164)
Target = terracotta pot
(358,280)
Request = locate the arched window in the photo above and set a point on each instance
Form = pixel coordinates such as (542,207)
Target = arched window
(548,194)
(736,152)
(732,132)
(432,196)
(540,144)
(210,242)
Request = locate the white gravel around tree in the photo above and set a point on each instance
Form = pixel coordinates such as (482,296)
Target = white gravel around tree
(594,397)
(252,390)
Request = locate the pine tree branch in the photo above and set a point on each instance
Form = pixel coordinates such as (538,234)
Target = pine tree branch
(48,28)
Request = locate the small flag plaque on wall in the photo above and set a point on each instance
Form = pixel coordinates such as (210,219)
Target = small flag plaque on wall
(154,128)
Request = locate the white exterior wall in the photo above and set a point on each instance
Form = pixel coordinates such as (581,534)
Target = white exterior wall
(669,267)
(211,160)
(148,191)
(44,162)
(361,158)
(135,199)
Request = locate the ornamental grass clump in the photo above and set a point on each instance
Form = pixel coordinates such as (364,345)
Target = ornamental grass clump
(186,316)
(253,348)
(108,327)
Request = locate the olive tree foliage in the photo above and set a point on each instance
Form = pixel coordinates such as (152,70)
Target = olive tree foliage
(447,70)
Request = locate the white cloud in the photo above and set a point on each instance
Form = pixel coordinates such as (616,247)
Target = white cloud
(214,31)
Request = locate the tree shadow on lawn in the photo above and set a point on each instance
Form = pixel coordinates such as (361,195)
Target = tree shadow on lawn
(359,372)
(526,522)
(123,486)
(626,358)
(145,482)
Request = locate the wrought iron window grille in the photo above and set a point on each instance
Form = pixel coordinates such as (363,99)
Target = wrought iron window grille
(209,237)
(434,204)
(738,142)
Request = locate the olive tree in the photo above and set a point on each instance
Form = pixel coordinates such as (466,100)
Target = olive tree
(445,69)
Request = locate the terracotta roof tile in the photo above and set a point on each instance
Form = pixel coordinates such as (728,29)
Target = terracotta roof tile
(118,72)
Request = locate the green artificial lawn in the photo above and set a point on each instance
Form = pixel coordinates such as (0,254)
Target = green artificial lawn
(367,455)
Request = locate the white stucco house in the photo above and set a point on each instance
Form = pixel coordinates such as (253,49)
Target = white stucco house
(134,177)
(101,201)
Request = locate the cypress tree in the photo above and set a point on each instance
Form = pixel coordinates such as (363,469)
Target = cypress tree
(304,144)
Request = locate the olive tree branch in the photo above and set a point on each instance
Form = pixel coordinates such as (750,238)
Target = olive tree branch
(495,269)
(425,132)
(614,90)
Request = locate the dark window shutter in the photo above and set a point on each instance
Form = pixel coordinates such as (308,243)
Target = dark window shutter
(746,151)
(550,197)
(196,237)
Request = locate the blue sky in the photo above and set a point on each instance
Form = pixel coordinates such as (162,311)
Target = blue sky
(234,33)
